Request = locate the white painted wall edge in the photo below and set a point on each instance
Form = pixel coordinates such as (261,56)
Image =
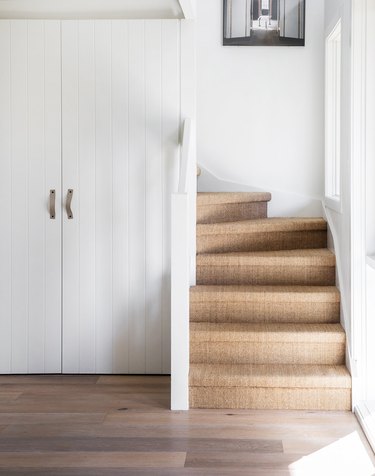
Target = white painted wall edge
(180,281)
(188,111)
(283,203)
(358,192)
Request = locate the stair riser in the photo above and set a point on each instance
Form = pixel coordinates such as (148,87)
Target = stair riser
(326,353)
(267,275)
(271,398)
(229,212)
(268,241)
(308,312)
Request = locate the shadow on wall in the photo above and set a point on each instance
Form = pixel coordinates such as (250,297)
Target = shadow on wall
(283,203)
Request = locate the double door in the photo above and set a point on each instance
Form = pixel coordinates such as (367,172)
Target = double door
(89,131)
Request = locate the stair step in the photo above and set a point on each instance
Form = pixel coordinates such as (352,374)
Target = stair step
(272,343)
(229,207)
(289,387)
(269,234)
(269,376)
(219,198)
(294,267)
(300,304)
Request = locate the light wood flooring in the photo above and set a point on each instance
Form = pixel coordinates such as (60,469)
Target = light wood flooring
(122,425)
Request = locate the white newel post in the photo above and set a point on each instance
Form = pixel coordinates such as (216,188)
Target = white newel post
(180,273)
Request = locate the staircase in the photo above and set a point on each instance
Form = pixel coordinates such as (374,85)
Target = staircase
(265,327)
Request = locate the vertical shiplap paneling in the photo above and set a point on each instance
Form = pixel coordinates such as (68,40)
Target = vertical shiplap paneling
(154,196)
(20,186)
(70,146)
(52,155)
(30,165)
(120,122)
(103,205)
(87,196)
(36,200)
(29,239)
(120,226)
(170,140)
(5,200)
(128,84)
(137,170)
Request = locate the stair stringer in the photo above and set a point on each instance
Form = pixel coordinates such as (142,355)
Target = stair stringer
(345,314)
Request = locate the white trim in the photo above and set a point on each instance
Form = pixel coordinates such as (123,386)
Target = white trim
(333,203)
(367,421)
(188,111)
(187,9)
(358,194)
(180,277)
(333,115)
(91,9)
(183,223)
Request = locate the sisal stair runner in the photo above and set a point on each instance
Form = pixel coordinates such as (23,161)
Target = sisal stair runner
(265,327)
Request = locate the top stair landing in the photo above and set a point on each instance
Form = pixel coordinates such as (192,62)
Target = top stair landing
(225,206)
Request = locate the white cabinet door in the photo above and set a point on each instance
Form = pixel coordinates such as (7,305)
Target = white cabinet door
(30,165)
(88,293)
(120,122)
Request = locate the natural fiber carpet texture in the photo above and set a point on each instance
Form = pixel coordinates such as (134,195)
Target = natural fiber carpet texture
(293,267)
(265,326)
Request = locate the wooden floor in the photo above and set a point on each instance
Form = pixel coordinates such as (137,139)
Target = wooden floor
(89,425)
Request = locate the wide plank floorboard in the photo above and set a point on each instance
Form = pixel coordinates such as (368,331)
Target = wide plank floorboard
(113,444)
(102,459)
(140,472)
(122,425)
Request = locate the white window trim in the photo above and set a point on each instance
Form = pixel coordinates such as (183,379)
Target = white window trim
(333,119)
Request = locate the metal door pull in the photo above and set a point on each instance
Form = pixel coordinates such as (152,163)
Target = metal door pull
(69,203)
(52,201)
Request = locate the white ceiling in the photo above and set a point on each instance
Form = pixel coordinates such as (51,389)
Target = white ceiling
(66,9)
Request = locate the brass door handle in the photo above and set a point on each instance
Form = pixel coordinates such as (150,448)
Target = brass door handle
(69,204)
(52,202)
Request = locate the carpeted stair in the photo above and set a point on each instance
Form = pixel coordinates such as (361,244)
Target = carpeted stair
(265,315)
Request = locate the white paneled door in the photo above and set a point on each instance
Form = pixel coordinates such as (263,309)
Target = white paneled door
(30,164)
(90,109)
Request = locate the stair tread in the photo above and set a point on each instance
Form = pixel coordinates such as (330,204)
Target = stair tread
(266,332)
(219,198)
(245,292)
(304,257)
(262,225)
(269,375)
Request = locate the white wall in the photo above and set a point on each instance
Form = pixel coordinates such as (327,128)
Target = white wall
(260,118)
